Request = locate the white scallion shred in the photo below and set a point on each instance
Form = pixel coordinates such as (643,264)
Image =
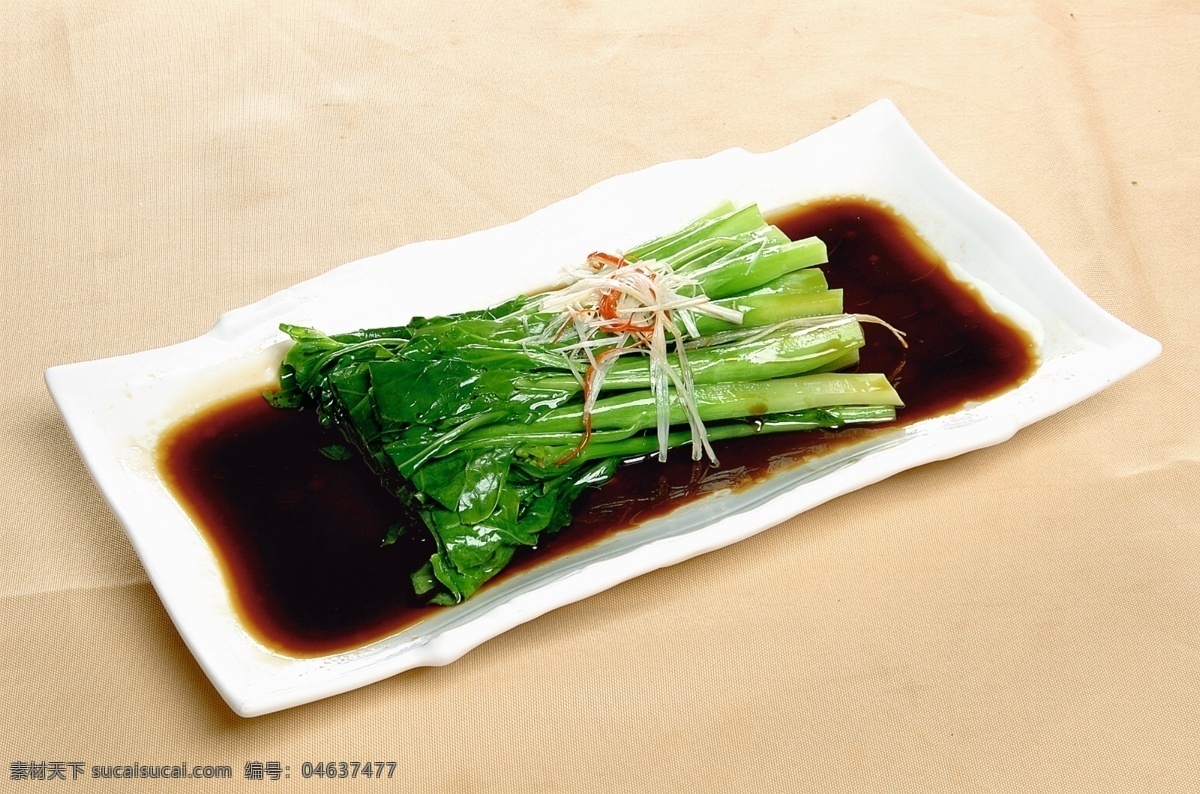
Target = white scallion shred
(618,307)
(896,332)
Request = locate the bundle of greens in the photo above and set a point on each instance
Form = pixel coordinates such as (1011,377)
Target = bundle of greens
(487,425)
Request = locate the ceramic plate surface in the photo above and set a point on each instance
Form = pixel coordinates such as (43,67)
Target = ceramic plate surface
(118,408)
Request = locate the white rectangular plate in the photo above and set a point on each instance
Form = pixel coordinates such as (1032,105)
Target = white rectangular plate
(117,408)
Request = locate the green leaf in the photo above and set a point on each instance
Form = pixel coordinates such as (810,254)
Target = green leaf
(336,452)
(284,398)
(394,533)
(423,580)
(468,483)
(422,392)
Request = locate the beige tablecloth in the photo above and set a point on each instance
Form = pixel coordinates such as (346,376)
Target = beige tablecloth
(1024,618)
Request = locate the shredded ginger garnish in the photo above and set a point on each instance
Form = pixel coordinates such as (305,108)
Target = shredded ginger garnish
(619,307)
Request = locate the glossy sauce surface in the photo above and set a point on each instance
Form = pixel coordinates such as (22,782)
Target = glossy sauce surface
(298,535)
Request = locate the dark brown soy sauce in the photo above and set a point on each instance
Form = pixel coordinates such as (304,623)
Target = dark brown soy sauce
(298,534)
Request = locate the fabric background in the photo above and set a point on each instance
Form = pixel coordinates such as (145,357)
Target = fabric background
(1023,618)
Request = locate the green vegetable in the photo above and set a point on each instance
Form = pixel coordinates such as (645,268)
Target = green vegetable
(486,425)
